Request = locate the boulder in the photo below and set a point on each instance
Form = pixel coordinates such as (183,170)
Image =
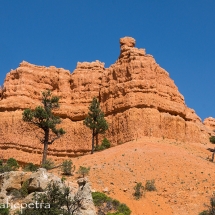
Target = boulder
(39,180)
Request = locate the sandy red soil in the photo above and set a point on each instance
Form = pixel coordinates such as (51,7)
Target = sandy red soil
(184,177)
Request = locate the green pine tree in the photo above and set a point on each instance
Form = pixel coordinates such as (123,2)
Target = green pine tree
(44,119)
(95,121)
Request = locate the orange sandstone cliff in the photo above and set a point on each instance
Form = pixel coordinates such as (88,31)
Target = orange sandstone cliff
(137,95)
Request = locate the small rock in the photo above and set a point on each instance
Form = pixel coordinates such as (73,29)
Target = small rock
(106,190)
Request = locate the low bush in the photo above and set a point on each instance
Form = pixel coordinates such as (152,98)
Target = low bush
(83,171)
(13,164)
(99,198)
(104,145)
(150,185)
(30,167)
(5,168)
(138,190)
(117,213)
(106,204)
(24,188)
(10,165)
(67,167)
(115,204)
(211,208)
(4,210)
(124,209)
(204,213)
(49,164)
(212,139)
(16,194)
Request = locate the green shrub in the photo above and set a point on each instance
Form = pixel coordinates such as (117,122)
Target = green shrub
(5,168)
(115,204)
(99,198)
(49,164)
(117,213)
(63,179)
(24,188)
(211,207)
(150,185)
(212,139)
(83,171)
(67,167)
(13,164)
(204,213)
(105,145)
(4,210)
(124,209)
(138,190)
(106,204)
(30,167)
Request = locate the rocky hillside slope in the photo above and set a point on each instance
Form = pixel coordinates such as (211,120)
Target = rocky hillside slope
(136,94)
(183,174)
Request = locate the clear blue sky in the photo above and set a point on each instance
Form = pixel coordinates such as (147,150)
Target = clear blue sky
(180,34)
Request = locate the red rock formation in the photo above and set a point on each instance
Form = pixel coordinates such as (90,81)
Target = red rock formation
(210,123)
(137,95)
(141,99)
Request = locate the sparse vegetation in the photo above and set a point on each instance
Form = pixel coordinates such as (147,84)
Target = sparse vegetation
(150,185)
(10,165)
(95,121)
(100,198)
(13,164)
(211,208)
(212,139)
(16,194)
(67,167)
(105,145)
(56,200)
(138,190)
(63,179)
(48,164)
(24,188)
(30,167)
(43,118)
(83,171)
(4,210)
(106,204)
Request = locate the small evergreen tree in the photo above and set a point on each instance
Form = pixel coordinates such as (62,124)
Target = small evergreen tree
(95,121)
(44,119)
